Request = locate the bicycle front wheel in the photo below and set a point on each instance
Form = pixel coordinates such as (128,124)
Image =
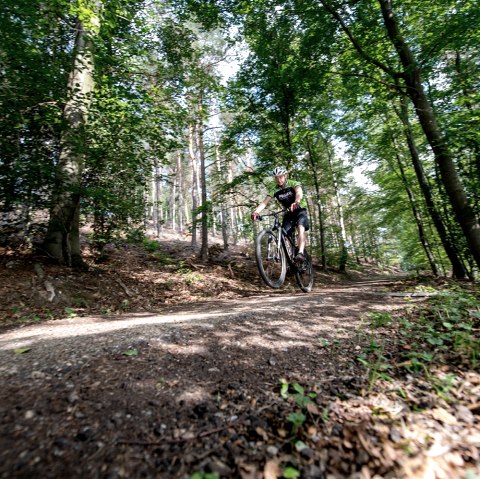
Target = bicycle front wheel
(270,259)
(304,274)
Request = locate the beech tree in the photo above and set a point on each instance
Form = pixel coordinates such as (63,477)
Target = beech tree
(62,241)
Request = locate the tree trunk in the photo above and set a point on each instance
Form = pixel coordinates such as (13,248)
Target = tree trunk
(62,238)
(417,217)
(181,189)
(458,270)
(321,226)
(453,186)
(343,243)
(158,199)
(203,185)
(232,211)
(173,197)
(193,160)
(223,209)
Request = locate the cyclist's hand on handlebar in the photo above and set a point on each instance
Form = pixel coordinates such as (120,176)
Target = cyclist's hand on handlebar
(255,216)
(294,206)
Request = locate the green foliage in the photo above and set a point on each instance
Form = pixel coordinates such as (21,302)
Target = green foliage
(204,475)
(379,319)
(22,350)
(296,393)
(131,352)
(150,245)
(301,95)
(136,235)
(290,472)
(450,324)
(70,312)
(297,419)
(443,331)
(378,367)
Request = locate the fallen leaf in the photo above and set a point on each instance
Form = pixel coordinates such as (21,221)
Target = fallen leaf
(444,416)
(271,470)
(262,433)
(313,409)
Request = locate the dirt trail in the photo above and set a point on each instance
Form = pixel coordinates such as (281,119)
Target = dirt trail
(321,310)
(189,389)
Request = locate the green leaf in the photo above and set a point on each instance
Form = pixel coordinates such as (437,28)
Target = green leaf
(284,389)
(290,472)
(435,341)
(131,352)
(300,445)
(297,418)
(298,388)
(22,350)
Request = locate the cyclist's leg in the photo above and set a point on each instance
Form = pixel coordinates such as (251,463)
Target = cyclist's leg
(302,226)
(301,238)
(288,223)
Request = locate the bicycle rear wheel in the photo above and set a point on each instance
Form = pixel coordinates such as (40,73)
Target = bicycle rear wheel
(304,274)
(270,259)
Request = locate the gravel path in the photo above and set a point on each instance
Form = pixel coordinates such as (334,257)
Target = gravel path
(183,389)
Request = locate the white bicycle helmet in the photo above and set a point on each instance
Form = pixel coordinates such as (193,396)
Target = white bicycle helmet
(279,170)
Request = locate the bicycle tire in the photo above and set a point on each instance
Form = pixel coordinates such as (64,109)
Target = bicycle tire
(272,269)
(304,274)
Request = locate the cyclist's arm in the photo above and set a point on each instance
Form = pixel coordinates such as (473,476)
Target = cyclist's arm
(298,194)
(263,204)
(298,197)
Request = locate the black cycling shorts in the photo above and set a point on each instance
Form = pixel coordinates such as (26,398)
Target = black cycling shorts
(294,218)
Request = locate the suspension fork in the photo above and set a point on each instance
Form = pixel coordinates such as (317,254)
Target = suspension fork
(280,240)
(276,226)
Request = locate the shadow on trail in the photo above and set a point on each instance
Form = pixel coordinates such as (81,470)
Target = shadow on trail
(200,384)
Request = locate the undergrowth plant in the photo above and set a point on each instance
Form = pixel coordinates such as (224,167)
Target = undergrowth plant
(377,365)
(443,331)
(304,403)
(449,324)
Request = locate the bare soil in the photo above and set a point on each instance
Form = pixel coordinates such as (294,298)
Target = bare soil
(158,365)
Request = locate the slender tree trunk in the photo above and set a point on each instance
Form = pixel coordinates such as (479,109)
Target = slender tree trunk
(341,221)
(453,186)
(173,198)
(203,184)
(158,200)
(182,190)
(193,160)
(232,210)
(62,238)
(458,270)
(418,220)
(321,226)
(223,209)
(153,192)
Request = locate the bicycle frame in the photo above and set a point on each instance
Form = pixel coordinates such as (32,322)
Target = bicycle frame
(277,256)
(281,234)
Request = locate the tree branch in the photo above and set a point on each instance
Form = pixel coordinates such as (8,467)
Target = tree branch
(356,44)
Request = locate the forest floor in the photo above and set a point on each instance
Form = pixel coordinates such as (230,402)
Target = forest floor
(153,364)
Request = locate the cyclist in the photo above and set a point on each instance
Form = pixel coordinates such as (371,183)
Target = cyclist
(289,194)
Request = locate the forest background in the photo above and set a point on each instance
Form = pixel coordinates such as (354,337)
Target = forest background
(116,115)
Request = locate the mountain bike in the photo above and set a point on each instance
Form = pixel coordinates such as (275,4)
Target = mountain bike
(275,252)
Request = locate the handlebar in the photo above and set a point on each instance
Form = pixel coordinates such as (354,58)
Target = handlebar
(278,213)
